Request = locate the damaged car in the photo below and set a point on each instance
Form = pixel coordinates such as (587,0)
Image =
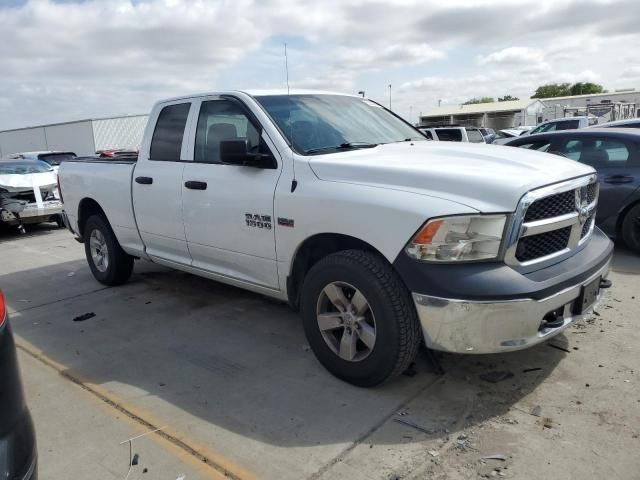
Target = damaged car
(28,193)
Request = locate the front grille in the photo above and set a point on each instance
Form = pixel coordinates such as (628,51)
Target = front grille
(586,226)
(551,206)
(592,192)
(543,244)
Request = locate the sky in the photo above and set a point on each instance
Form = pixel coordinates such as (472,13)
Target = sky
(67,60)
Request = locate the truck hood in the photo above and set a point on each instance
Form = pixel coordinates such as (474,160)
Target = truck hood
(488,178)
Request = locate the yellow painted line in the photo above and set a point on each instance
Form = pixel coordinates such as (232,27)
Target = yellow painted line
(212,465)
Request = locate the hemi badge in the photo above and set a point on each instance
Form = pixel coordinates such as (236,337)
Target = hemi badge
(285,222)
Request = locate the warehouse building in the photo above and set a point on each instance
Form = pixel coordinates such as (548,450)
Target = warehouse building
(84,137)
(497,115)
(500,115)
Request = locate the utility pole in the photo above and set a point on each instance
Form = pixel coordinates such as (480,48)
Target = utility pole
(389,96)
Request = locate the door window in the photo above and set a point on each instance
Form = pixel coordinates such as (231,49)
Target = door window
(568,125)
(449,134)
(475,136)
(166,142)
(597,153)
(222,120)
(542,146)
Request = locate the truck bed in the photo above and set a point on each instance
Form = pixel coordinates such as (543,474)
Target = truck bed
(107,182)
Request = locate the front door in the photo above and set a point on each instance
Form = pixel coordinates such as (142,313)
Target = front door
(228,209)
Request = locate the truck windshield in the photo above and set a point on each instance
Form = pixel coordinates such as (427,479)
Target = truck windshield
(330,123)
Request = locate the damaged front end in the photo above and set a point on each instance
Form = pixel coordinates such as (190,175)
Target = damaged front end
(28,193)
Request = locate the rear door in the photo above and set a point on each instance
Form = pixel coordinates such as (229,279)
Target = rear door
(615,161)
(157,185)
(228,209)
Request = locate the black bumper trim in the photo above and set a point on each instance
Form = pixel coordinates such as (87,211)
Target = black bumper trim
(497,281)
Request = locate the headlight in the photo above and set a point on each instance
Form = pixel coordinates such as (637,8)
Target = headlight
(464,238)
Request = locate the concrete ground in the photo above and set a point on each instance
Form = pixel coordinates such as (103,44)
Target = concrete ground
(228,377)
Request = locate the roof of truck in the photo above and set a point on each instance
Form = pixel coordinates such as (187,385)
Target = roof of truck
(259,93)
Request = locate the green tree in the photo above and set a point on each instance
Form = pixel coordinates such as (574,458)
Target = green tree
(552,90)
(507,98)
(585,88)
(473,101)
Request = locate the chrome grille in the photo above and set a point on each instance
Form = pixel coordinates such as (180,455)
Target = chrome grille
(587,225)
(552,222)
(536,246)
(551,206)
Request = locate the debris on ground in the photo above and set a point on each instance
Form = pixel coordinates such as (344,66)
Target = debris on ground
(71,274)
(534,369)
(558,347)
(84,316)
(496,376)
(434,453)
(495,456)
(547,422)
(414,425)
(135,459)
(536,411)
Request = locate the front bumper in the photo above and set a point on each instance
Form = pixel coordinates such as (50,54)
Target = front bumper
(511,313)
(33,213)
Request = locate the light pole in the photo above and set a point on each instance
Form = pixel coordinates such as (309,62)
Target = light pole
(411,114)
(389,96)
(361,93)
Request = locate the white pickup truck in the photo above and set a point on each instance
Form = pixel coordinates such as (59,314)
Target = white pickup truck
(381,238)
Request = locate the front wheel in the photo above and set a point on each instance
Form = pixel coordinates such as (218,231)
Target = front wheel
(359,318)
(631,228)
(109,264)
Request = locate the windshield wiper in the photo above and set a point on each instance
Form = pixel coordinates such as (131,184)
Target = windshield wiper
(343,146)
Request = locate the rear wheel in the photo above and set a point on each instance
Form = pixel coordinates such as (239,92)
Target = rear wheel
(359,318)
(631,228)
(109,264)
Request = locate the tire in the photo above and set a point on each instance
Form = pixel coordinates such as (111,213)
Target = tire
(389,312)
(116,267)
(631,228)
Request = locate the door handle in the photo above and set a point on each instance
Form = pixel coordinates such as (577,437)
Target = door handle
(618,179)
(195,185)
(144,180)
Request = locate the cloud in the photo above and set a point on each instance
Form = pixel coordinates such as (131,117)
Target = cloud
(76,59)
(631,72)
(389,56)
(513,56)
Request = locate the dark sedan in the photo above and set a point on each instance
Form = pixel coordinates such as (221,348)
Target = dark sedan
(18,456)
(615,155)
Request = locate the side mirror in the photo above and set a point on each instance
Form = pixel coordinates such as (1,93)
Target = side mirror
(238,152)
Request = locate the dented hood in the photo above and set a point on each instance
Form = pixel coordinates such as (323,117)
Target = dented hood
(23,182)
(488,178)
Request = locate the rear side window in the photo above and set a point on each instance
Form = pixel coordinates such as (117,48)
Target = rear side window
(541,146)
(475,136)
(568,125)
(166,142)
(449,134)
(597,153)
(56,158)
(427,134)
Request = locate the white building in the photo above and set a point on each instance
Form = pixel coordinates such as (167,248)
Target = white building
(84,137)
(499,115)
